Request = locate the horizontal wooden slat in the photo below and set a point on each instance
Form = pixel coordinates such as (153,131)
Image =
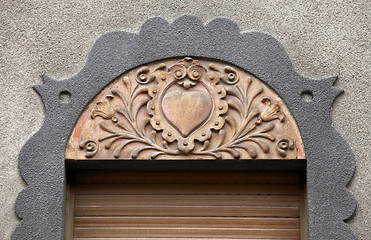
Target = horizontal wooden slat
(204,222)
(244,211)
(179,238)
(186,189)
(187,200)
(181,177)
(226,233)
(173,238)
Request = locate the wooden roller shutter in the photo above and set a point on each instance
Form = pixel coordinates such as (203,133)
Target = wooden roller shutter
(217,205)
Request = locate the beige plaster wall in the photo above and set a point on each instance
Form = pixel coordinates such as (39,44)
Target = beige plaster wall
(322,38)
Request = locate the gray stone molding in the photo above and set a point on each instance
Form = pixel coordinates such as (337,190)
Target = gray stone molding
(330,161)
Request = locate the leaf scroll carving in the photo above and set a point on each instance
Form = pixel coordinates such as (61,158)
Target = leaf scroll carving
(187,108)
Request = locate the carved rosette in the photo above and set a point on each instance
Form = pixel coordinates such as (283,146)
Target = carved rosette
(186,109)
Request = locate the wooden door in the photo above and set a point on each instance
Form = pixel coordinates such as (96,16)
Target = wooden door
(182,205)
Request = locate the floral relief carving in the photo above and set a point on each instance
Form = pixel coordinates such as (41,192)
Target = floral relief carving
(186,108)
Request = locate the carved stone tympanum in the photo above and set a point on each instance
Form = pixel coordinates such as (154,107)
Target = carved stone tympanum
(186,108)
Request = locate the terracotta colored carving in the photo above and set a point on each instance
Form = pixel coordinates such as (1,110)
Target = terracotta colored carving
(186,108)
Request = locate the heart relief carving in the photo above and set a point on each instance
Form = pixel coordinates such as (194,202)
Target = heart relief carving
(186,109)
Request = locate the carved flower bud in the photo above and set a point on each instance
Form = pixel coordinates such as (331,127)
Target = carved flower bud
(271,111)
(104,108)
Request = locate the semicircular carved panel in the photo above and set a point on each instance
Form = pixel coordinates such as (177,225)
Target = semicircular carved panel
(186,109)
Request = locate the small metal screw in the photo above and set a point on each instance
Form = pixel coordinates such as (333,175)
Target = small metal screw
(258,121)
(284,145)
(231,76)
(114,119)
(142,77)
(178,73)
(195,74)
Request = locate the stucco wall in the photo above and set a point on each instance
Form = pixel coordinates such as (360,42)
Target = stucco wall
(322,38)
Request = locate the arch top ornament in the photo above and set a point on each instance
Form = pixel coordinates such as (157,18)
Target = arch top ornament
(92,122)
(186,108)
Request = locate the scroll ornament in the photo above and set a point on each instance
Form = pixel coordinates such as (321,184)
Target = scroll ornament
(187,109)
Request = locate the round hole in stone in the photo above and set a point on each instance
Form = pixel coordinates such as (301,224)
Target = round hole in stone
(65,96)
(307,96)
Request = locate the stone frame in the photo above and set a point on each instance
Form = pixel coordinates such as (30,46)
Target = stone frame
(330,162)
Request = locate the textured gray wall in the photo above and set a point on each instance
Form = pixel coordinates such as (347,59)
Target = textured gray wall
(322,39)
